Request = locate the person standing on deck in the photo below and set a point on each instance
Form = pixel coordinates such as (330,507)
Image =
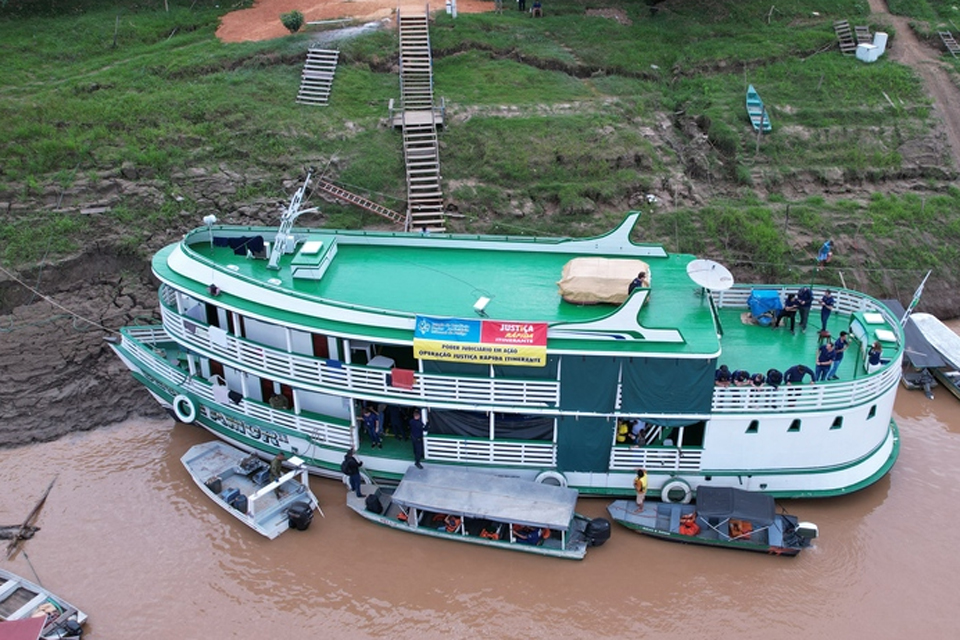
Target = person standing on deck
(640,485)
(372,423)
(824,361)
(276,470)
(351,468)
(827,305)
(805,302)
(416,437)
(838,348)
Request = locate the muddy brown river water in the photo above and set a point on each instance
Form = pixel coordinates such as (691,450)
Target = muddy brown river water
(127,537)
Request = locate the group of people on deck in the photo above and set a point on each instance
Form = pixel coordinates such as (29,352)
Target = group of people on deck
(801,302)
(403,425)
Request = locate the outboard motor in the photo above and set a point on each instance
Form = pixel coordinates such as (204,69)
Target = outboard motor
(806,531)
(597,532)
(300,515)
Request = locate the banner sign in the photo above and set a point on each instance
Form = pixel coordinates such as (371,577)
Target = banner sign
(519,344)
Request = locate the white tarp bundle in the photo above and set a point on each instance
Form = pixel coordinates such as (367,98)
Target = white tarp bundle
(600,280)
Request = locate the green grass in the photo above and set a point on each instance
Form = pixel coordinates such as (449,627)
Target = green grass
(553,126)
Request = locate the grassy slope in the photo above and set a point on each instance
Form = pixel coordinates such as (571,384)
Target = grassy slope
(556,125)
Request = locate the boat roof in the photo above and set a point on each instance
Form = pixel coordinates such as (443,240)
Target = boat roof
(727,502)
(26,629)
(916,348)
(476,494)
(942,337)
(376,283)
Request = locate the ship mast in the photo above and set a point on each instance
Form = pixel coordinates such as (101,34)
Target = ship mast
(285,241)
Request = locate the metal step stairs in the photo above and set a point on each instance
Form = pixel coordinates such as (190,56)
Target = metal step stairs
(848,44)
(418,119)
(360,201)
(950,43)
(316,81)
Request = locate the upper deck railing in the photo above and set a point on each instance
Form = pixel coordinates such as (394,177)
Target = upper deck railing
(323,375)
(141,341)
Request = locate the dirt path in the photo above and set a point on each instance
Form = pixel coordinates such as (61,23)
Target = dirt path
(262,20)
(907,49)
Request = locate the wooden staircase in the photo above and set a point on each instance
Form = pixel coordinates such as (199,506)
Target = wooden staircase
(316,80)
(848,43)
(360,201)
(421,150)
(950,43)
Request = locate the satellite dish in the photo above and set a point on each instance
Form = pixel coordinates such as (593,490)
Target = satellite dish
(710,275)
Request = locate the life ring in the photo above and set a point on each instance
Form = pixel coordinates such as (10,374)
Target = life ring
(674,485)
(552,478)
(184,409)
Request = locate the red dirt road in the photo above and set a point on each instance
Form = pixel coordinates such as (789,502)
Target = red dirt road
(262,20)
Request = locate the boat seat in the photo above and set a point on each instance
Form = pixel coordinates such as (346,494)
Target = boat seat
(675,520)
(775,534)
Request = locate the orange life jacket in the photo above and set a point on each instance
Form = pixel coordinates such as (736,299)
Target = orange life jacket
(453,523)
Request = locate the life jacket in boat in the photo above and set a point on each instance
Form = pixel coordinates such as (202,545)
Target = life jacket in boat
(622,430)
(489,535)
(688,524)
(452,522)
(402,516)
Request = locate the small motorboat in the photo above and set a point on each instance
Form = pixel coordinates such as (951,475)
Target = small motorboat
(240,483)
(759,117)
(486,509)
(22,600)
(720,517)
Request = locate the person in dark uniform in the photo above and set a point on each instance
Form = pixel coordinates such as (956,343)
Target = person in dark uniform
(416,437)
(638,283)
(805,302)
(795,374)
(522,5)
(790,306)
(276,470)
(372,423)
(351,467)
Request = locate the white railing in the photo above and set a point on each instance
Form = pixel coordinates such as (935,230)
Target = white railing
(818,397)
(499,452)
(140,341)
(320,375)
(805,397)
(654,459)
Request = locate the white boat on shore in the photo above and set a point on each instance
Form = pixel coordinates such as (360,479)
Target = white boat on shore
(21,599)
(485,509)
(240,483)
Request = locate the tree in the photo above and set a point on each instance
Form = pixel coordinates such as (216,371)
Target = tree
(292,21)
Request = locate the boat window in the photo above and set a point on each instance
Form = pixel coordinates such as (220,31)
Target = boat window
(794,426)
(837,422)
(754,426)
(692,435)
(476,424)
(873,412)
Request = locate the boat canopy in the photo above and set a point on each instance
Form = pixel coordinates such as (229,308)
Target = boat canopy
(475,494)
(916,348)
(727,502)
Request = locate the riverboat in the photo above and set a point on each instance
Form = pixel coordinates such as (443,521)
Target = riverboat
(21,599)
(721,517)
(485,509)
(277,339)
(239,482)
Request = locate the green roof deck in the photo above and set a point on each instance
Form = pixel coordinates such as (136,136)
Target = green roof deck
(439,281)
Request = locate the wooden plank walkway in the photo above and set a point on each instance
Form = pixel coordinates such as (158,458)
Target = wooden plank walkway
(360,201)
(863,35)
(950,43)
(848,44)
(421,149)
(316,81)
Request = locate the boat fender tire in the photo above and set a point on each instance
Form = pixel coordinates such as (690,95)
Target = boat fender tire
(670,488)
(553,478)
(184,409)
